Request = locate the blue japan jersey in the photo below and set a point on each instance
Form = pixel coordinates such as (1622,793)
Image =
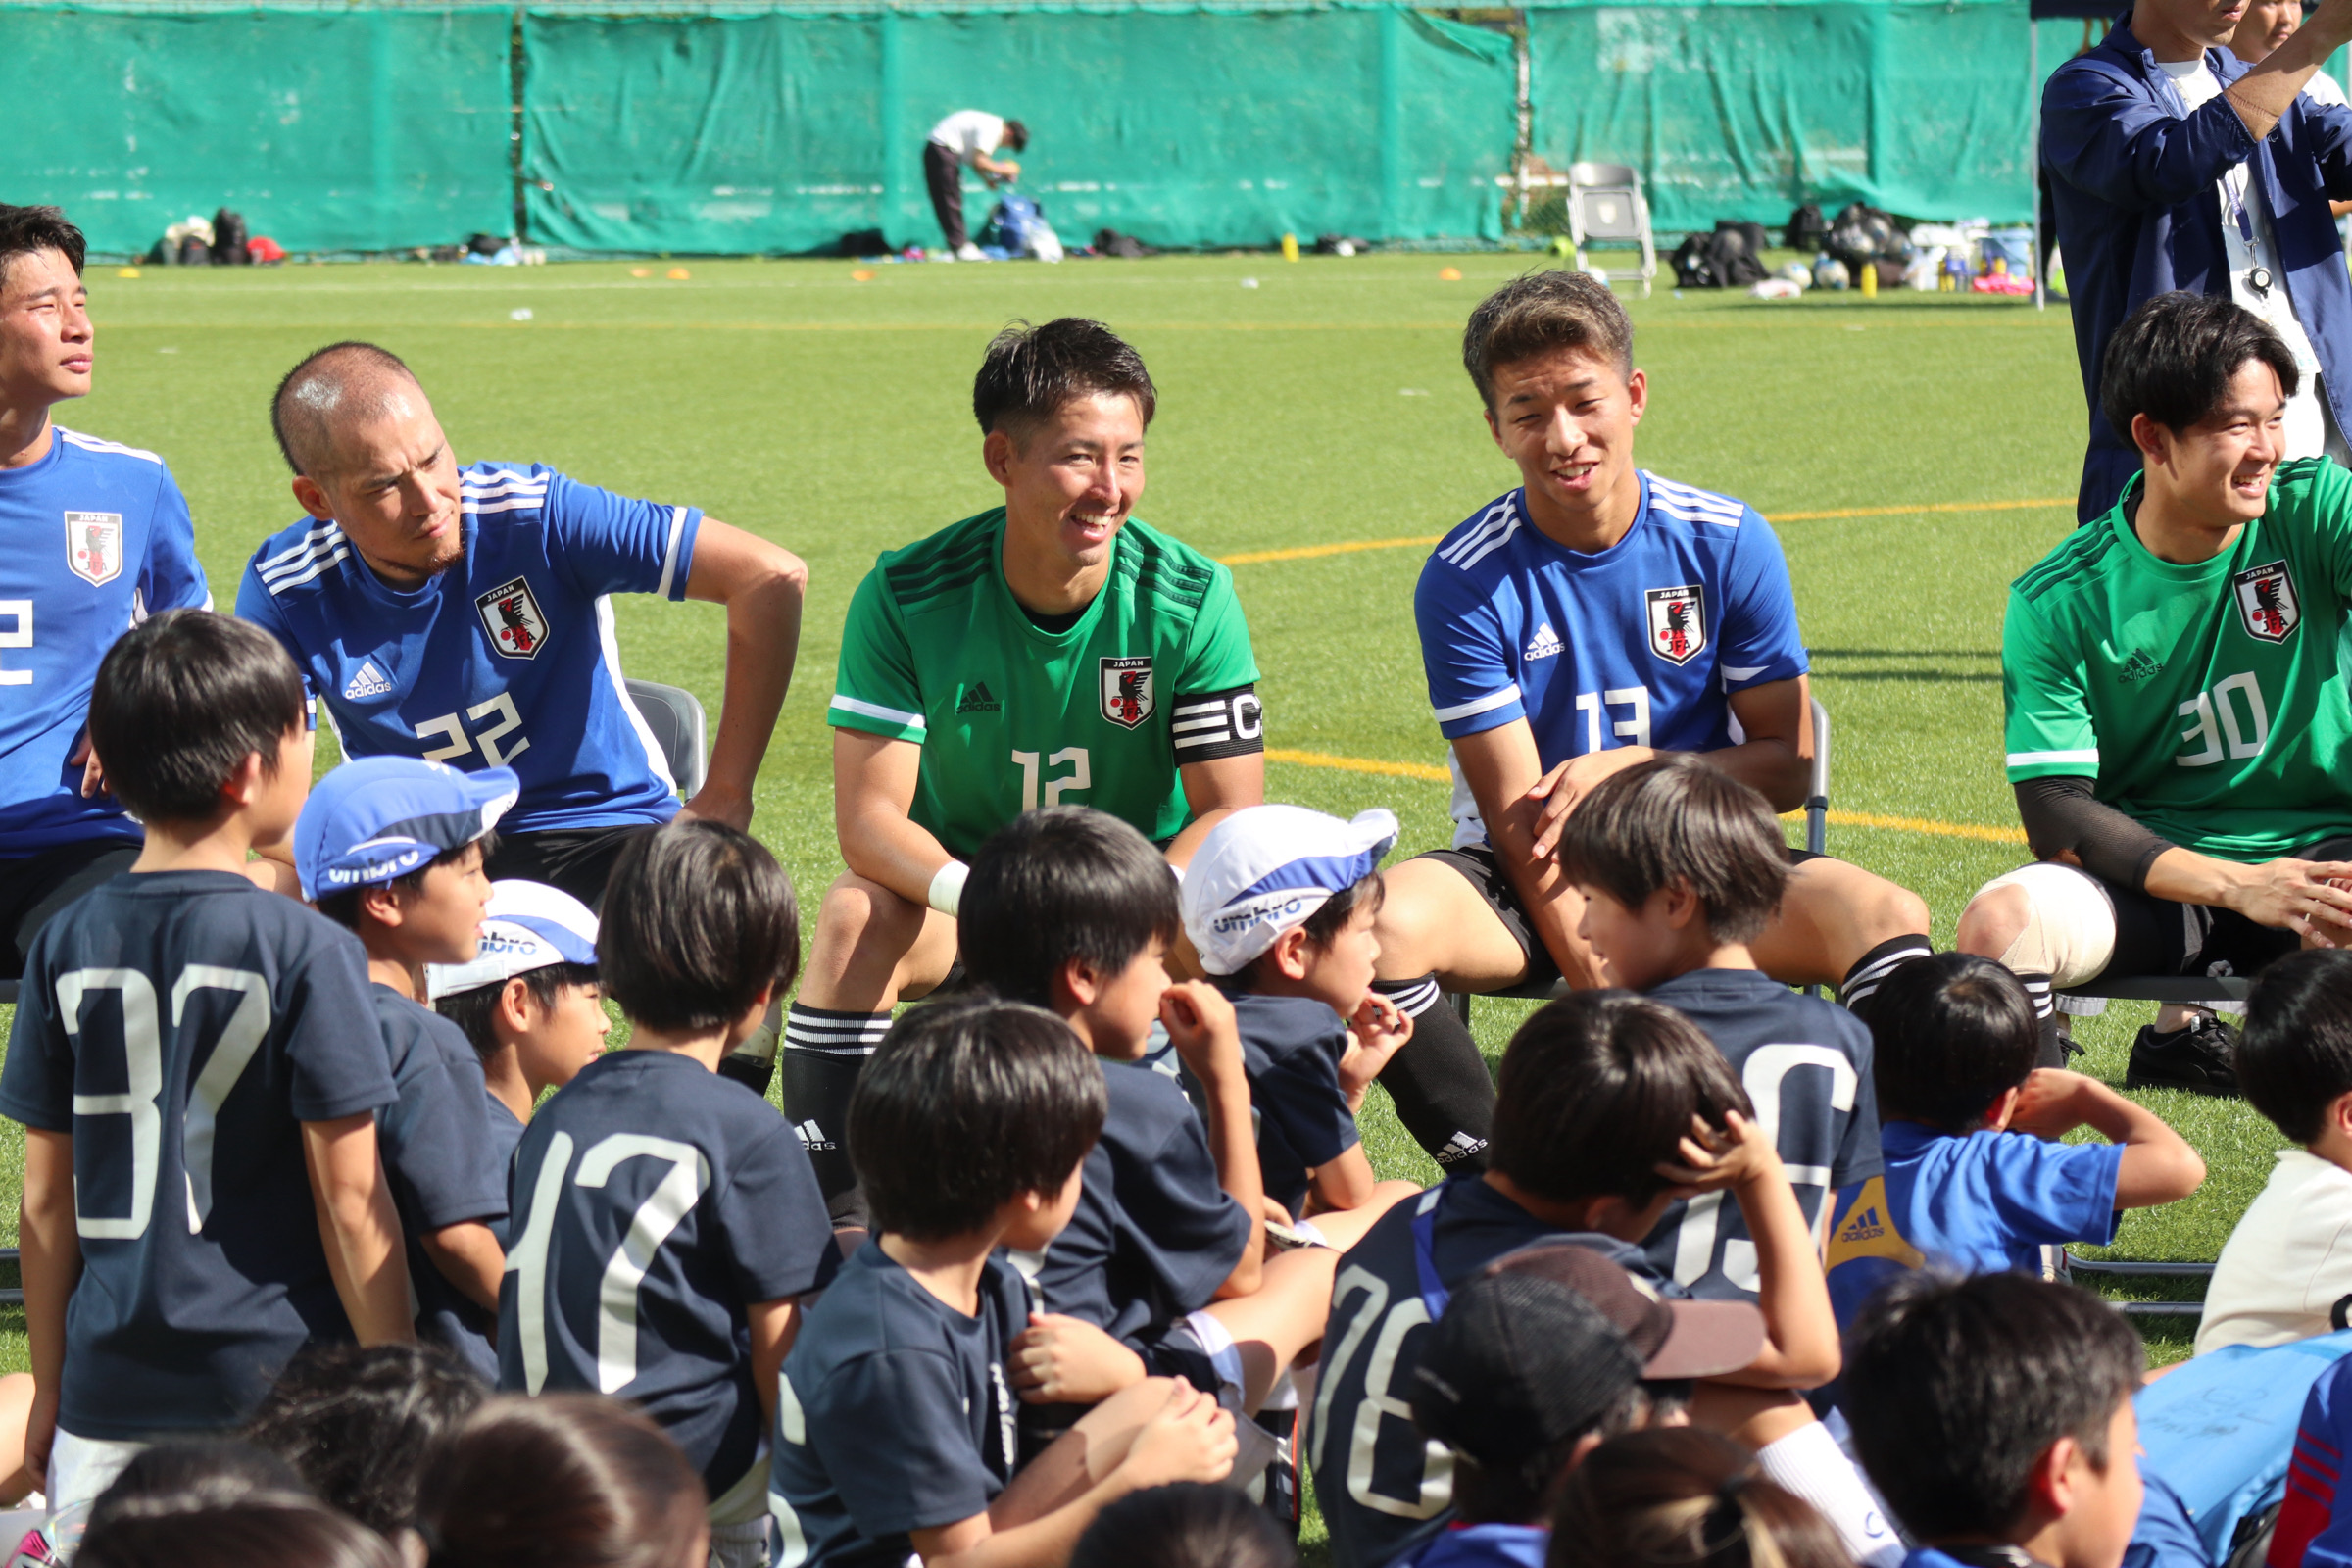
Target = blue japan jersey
(505,659)
(1806,1065)
(94,538)
(1385,1489)
(892,1414)
(1639,645)
(1153,1234)
(438,1156)
(654,1201)
(1983,1203)
(180,1026)
(1291,1051)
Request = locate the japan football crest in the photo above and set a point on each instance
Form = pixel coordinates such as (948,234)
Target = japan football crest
(1678,622)
(94,545)
(513,619)
(2267,603)
(1127,691)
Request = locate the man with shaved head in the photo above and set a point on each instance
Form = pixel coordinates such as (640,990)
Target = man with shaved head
(462,614)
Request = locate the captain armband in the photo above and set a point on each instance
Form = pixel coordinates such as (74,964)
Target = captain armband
(1207,725)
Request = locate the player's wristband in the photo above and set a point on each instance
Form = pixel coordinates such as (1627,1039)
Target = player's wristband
(947,888)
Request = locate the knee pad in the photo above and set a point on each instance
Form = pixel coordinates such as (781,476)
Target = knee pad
(2069,933)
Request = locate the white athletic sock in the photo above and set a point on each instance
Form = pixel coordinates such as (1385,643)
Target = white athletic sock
(1809,1464)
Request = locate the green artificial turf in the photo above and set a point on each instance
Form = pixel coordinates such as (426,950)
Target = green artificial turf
(1313,403)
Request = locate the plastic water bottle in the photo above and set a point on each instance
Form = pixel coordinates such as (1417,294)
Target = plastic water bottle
(1290,247)
(1870,280)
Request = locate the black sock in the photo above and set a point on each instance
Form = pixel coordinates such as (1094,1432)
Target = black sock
(2045,1020)
(1443,1093)
(1869,971)
(822,1056)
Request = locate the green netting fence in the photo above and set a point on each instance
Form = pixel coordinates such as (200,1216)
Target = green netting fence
(1741,111)
(329,129)
(1182,127)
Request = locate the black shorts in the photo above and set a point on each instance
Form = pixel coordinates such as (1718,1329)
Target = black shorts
(35,887)
(1478,864)
(2155,936)
(580,860)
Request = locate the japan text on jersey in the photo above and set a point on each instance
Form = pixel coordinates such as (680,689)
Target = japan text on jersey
(507,660)
(94,538)
(1642,644)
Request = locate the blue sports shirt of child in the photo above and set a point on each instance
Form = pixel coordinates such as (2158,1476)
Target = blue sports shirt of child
(94,538)
(1983,1202)
(1291,1053)
(1639,645)
(892,1414)
(180,1026)
(505,659)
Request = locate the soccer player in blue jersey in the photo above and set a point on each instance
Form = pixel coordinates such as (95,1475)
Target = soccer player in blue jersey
(1584,621)
(896,1429)
(196,1067)
(665,1219)
(462,614)
(94,538)
(392,848)
(1681,867)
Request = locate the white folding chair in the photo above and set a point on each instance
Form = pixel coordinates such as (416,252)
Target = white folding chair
(1817,839)
(1605,206)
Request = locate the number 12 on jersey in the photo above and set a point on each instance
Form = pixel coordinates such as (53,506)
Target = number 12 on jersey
(1079,779)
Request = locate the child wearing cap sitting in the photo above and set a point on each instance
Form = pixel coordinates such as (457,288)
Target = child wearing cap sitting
(1547,1351)
(202,1188)
(528,1004)
(1279,904)
(391,848)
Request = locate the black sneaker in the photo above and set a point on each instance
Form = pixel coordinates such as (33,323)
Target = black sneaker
(2195,1058)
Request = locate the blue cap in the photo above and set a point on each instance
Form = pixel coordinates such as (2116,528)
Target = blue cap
(382,818)
(1266,868)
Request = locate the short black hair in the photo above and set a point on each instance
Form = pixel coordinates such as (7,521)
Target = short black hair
(358,1423)
(319,381)
(180,701)
(472,1010)
(2294,1056)
(26,230)
(193,1472)
(1598,1089)
(1680,818)
(1065,882)
(1331,917)
(559,1477)
(1950,1033)
(1030,372)
(343,904)
(2172,358)
(1956,1388)
(966,1104)
(261,1530)
(1017,135)
(1540,314)
(699,920)
(1188,1524)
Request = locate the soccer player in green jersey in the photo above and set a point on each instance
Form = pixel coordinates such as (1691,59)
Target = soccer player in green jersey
(1052,651)
(2178,733)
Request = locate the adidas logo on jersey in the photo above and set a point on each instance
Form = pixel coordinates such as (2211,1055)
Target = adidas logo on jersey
(1863,1227)
(1544,644)
(813,1137)
(977,699)
(369,682)
(2138,668)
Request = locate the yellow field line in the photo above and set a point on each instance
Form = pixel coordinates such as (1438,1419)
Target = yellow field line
(1254,558)
(1438,775)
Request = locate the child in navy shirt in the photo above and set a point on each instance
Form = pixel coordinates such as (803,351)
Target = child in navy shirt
(666,1218)
(1682,866)
(896,1429)
(1279,905)
(1972,1180)
(1994,1415)
(198,1074)
(528,1004)
(1162,1267)
(391,847)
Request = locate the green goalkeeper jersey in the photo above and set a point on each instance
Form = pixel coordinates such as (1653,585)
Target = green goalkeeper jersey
(2206,702)
(1155,673)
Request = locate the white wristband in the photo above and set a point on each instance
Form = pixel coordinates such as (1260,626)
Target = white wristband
(947,888)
